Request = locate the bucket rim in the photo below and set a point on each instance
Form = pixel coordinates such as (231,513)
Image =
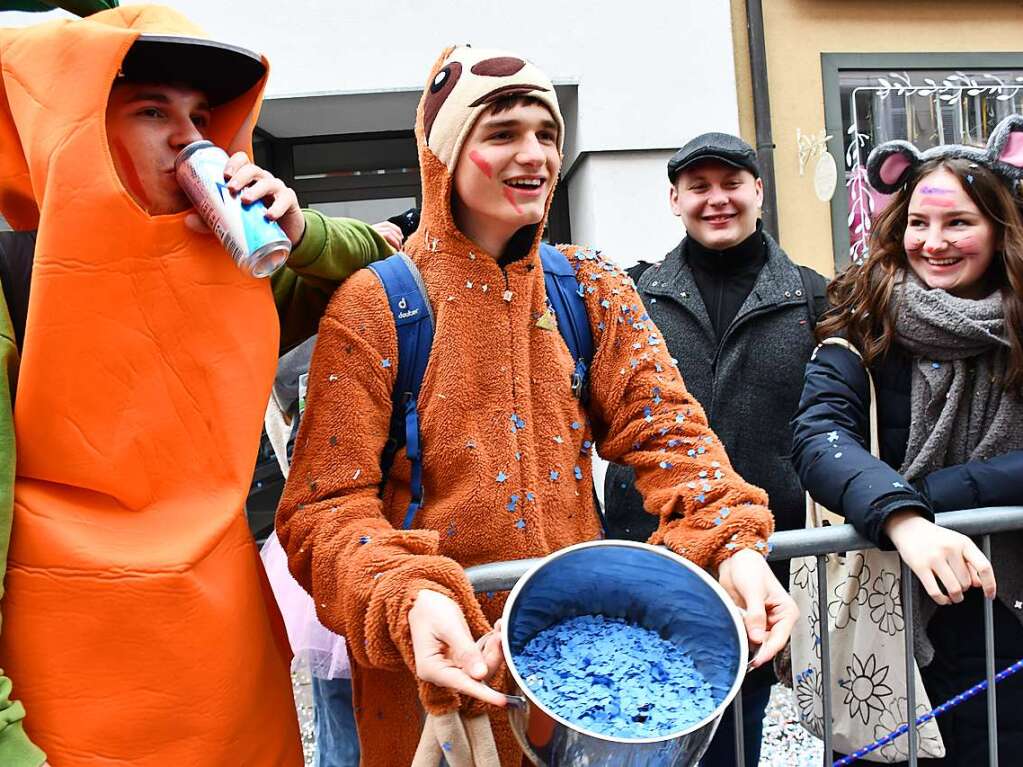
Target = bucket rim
(703,575)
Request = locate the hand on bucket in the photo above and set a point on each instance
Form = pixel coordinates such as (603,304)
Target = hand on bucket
(447,655)
(769,613)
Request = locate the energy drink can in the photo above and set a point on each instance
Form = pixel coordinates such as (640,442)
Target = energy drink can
(258,247)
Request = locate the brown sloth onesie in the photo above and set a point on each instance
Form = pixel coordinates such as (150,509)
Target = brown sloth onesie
(506,445)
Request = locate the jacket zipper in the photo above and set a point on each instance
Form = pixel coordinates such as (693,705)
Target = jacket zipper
(736,322)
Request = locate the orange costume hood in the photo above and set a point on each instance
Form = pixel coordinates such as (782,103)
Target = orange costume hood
(135,617)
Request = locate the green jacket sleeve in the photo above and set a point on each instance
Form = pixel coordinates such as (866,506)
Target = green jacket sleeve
(331,250)
(16,750)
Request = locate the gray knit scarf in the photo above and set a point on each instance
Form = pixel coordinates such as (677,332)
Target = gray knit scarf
(960,411)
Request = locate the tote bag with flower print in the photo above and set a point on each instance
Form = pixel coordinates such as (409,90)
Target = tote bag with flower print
(867,642)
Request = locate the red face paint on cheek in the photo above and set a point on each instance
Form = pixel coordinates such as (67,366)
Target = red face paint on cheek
(912,243)
(128,173)
(966,245)
(510,196)
(482,164)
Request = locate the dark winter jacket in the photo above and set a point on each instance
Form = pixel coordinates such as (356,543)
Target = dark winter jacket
(835,465)
(834,462)
(748,381)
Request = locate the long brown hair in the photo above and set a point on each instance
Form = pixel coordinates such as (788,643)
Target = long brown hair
(861,296)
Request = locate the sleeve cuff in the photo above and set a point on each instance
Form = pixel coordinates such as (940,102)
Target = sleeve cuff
(884,508)
(436,700)
(16,750)
(310,247)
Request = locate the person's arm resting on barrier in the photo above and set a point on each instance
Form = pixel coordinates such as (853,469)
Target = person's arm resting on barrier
(644,417)
(997,481)
(364,575)
(836,467)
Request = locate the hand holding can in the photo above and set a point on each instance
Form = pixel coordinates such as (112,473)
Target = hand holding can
(259,247)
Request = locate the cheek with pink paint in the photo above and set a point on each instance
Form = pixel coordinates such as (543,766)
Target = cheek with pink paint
(967,245)
(481,163)
(912,243)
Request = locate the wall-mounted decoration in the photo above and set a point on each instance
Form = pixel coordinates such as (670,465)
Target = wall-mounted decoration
(825,177)
(825,174)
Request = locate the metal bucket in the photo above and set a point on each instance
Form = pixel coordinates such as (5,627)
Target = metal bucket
(649,586)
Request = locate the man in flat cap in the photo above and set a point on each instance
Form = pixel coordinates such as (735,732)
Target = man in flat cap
(738,315)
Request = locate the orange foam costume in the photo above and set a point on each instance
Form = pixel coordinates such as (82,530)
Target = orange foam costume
(136,614)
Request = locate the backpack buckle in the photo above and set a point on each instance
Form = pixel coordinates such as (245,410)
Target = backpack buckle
(579,378)
(577,385)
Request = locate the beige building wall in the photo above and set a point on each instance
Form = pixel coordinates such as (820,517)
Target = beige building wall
(797,32)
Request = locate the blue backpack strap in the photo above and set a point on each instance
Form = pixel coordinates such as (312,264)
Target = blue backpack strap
(566,298)
(413,323)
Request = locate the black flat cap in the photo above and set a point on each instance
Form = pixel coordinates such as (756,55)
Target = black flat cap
(725,147)
(221,71)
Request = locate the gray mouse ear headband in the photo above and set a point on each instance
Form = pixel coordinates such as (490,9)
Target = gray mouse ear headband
(891,163)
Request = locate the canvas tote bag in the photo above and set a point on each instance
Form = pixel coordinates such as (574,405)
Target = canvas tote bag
(867,642)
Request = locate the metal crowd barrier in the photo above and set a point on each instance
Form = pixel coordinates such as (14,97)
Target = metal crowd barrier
(501,576)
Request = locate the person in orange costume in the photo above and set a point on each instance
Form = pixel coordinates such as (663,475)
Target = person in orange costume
(137,617)
(506,444)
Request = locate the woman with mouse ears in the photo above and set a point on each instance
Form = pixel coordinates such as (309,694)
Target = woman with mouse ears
(936,311)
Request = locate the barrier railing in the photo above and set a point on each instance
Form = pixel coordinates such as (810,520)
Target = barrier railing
(818,543)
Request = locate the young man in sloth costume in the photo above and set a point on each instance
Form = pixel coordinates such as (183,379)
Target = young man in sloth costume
(137,623)
(506,444)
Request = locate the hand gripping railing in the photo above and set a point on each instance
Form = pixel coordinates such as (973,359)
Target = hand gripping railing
(501,576)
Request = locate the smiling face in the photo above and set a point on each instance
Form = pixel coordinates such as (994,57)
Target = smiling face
(949,242)
(719,204)
(505,173)
(147,125)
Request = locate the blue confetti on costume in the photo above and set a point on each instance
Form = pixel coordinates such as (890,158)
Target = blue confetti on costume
(615,678)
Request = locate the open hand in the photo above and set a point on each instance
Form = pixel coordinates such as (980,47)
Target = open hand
(769,613)
(446,654)
(935,555)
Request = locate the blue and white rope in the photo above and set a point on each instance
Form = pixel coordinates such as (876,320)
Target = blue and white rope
(962,697)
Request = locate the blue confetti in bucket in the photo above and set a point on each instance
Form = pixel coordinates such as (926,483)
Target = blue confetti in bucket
(645,585)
